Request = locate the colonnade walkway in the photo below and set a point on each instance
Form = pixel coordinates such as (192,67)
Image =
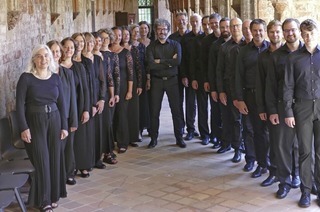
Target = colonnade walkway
(168,178)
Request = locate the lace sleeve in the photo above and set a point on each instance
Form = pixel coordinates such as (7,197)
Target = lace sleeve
(129,66)
(137,65)
(116,74)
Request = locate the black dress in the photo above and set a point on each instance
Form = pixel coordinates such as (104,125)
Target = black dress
(83,151)
(112,73)
(40,108)
(121,121)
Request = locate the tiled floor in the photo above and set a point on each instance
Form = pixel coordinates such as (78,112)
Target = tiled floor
(168,178)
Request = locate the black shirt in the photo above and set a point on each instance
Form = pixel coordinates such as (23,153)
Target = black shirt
(205,50)
(212,63)
(264,60)
(247,67)
(187,48)
(223,70)
(302,77)
(275,78)
(168,65)
(195,61)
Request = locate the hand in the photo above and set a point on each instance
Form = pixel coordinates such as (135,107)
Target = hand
(116,99)
(290,122)
(235,103)
(64,134)
(139,91)
(175,56)
(157,60)
(223,98)
(111,102)
(242,107)
(185,82)
(194,84)
(263,116)
(26,136)
(148,85)
(94,111)
(85,117)
(72,129)
(214,96)
(274,119)
(128,95)
(100,106)
(206,87)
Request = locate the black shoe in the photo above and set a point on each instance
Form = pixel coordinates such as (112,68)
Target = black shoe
(205,141)
(196,134)
(248,167)
(314,189)
(133,144)
(181,143)
(100,165)
(237,156)
(71,181)
(259,171)
(139,140)
(152,144)
(83,174)
(318,199)
(282,191)
(269,181)
(224,149)
(304,201)
(216,143)
(295,182)
(189,136)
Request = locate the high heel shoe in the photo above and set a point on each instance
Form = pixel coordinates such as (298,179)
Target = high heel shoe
(83,174)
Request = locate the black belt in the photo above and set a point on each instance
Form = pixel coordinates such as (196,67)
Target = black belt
(252,90)
(305,100)
(164,78)
(42,109)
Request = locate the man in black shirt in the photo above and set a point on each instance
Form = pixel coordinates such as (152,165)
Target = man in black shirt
(224,26)
(301,95)
(190,94)
(285,141)
(181,20)
(164,57)
(230,115)
(274,32)
(247,67)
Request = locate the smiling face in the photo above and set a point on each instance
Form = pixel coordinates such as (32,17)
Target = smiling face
(81,43)
(56,52)
(41,59)
(125,36)
(98,44)
(135,34)
(275,34)
(68,49)
(162,32)
(181,21)
(144,30)
(105,39)
(117,36)
(291,32)
(258,32)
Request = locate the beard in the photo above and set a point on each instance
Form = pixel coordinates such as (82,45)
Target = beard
(225,34)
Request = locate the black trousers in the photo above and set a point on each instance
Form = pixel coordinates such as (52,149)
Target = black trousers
(68,155)
(158,87)
(231,121)
(181,96)
(307,118)
(44,152)
(260,130)
(190,108)
(285,148)
(202,103)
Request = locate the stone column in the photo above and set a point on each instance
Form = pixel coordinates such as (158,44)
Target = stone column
(247,10)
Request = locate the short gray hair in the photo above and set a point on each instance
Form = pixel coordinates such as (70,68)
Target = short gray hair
(161,21)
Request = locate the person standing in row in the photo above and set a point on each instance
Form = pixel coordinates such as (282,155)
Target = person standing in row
(43,124)
(301,96)
(247,67)
(164,56)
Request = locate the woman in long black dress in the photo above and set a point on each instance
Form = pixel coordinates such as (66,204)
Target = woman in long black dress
(99,92)
(67,79)
(133,108)
(82,146)
(111,63)
(43,124)
(121,121)
(144,112)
